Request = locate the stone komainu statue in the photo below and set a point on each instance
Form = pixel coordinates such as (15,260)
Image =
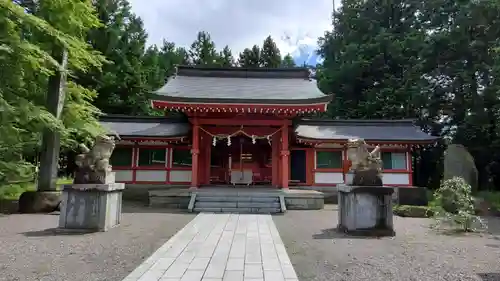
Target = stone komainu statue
(366,166)
(93,164)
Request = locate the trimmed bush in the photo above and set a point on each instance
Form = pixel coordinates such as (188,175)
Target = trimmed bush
(412,211)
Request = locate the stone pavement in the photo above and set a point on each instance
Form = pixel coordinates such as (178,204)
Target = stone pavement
(220,247)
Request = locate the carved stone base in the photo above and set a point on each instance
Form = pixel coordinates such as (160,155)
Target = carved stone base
(92,207)
(367,178)
(365,210)
(85,175)
(39,201)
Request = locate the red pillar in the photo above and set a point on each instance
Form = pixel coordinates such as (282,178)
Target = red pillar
(207,146)
(195,152)
(309,166)
(285,153)
(275,156)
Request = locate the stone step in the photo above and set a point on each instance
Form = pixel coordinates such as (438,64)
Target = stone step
(239,210)
(213,204)
(238,194)
(211,198)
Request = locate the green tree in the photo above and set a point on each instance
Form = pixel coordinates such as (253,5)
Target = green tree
(250,57)
(27,39)
(288,61)
(372,60)
(121,84)
(225,57)
(202,51)
(464,74)
(270,56)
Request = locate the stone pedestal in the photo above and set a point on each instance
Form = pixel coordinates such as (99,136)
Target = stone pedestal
(91,207)
(365,210)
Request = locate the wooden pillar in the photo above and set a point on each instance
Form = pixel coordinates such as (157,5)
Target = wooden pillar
(275,156)
(195,152)
(310,166)
(285,154)
(135,156)
(208,157)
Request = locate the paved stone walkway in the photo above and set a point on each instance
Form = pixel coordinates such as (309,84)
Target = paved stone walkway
(220,247)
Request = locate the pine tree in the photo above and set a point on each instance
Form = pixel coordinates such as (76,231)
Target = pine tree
(288,61)
(202,51)
(122,39)
(225,57)
(250,57)
(270,55)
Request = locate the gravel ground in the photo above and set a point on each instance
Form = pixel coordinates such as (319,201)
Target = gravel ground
(28,251)
(417,253)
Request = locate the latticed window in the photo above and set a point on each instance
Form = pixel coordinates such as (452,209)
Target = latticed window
(181,158)
(152,157)
(328,159)
(122,157)
(394,160)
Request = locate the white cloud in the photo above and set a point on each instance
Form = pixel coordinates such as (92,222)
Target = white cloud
(237,23)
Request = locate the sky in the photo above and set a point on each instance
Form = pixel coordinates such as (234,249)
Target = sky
(237,23)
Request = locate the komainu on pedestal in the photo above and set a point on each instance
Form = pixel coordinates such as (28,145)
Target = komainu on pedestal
(93,164)
(366,166)
(94,201)
(365,205)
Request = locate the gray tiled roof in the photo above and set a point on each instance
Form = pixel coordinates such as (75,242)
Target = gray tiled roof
(126,126)
(380,130)
(242,85)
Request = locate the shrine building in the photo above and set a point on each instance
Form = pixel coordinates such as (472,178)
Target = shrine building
(251,127)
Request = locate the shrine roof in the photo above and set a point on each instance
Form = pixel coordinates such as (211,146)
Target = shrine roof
(145,126)
(372,130)
(235,85)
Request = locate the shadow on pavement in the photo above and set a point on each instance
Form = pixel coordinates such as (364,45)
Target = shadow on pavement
(333,233)
(489,276)
(137,207)
(55,232)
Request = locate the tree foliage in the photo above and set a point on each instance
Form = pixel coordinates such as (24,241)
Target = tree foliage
(27,37)
(202,51)
(250,57)
(270,56)
(435,61)
(288,61)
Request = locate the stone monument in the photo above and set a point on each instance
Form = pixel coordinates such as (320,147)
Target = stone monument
(458,162)
(93,202)
(365,205)
(47,198)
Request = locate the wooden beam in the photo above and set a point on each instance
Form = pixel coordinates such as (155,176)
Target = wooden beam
(239,122)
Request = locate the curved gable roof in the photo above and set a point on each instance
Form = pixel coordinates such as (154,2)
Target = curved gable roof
(198,84)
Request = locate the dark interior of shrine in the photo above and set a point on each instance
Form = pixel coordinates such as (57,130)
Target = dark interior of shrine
(241,154)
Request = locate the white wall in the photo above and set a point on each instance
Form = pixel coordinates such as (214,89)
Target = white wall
(180,176)
(152,175)
(396,178)
(328,177)
(123,175)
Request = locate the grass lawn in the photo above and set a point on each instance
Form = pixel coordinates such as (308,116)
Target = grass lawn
(13,191)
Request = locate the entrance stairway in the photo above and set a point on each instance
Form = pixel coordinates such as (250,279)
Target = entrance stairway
(237,201)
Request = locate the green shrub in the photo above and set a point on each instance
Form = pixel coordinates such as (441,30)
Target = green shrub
(493,198)
(13,191)
(412,211)
(454,206)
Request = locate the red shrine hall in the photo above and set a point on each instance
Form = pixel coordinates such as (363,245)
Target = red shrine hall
(239,126)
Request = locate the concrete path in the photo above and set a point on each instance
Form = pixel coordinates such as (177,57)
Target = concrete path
(220,247)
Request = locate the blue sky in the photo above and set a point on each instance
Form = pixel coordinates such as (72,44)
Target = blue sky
(237,23)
